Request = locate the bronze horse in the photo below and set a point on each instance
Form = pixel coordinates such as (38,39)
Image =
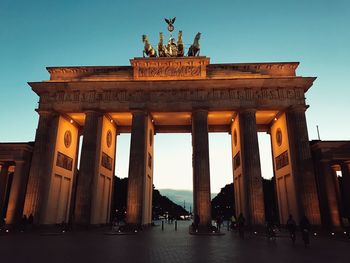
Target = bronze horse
(161,47)
(194,48)
(148,49)
(180,45)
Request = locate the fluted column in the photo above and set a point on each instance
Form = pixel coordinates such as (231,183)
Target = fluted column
(40,165)
(17,193)
(3,186)
(331,217)
(137,163)
(251,168)
(89,164)
(345,168)
(337,191)
(302,164)
(201,172)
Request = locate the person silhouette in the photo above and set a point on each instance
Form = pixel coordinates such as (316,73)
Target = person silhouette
(196,222)
(240,225)
(305,229)
(291,226)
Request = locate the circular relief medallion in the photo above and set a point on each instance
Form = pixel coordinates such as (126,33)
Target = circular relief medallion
(67,138)
(279,137)
(109,138)
(150,137)
(235,137)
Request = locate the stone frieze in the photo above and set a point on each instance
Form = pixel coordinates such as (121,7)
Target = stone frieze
(171,96)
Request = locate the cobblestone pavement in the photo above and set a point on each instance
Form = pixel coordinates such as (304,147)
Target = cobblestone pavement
(155,245)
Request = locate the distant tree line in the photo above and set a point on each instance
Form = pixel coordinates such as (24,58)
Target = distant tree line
(222,204)
(161,205)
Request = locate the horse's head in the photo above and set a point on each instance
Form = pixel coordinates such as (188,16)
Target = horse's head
(144,38)
(198,36)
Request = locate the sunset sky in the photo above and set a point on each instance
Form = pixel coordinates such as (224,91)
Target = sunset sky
(37,34)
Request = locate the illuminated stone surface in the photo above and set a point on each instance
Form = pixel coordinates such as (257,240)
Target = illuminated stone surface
(156,95)
(169,246)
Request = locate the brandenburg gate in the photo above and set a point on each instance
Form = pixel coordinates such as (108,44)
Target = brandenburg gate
(162,92)
(167,95)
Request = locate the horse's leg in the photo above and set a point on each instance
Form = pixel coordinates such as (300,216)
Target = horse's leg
(189,51)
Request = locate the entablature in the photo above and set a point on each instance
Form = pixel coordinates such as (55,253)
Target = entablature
(180,68)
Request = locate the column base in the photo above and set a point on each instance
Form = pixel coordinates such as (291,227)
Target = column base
(204,230)
(130,228)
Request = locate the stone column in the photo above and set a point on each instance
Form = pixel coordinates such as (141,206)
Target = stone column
(17,193)
(302,164)
(331,209)
(74,183)
(89,164)
(3,187)
(40,165)
(251,168)
(201,172)
(137,163)
(337,192)
(345,168)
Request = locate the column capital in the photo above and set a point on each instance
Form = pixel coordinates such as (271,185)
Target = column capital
(92,111)
(199,110)
(298,108)
(45,113)
(139,111)
(247,110)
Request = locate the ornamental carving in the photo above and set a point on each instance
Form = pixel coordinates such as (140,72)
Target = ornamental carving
(181,72)
(109,138)
(124,95)
(279,137)
(235,139)
(67,138)
(64,161)
(282,160)
(106,161)
(170,68)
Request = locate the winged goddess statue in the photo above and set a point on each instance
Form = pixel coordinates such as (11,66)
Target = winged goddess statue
(170,23)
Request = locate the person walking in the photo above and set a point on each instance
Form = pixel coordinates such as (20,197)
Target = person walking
(305,229)
(233,222)
(218,222)
(240,224)
(291,226)
(196,222)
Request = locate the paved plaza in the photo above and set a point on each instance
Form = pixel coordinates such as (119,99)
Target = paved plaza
(155,245)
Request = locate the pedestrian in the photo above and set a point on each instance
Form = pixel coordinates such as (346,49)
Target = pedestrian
(233,222)
(196,222)
(291,226)
(218,222)
(240,224)
(305,229)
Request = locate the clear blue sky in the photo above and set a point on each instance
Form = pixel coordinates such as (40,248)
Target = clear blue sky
(36,34)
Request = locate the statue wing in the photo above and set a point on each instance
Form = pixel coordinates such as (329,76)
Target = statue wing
(167,20)
(173,20)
